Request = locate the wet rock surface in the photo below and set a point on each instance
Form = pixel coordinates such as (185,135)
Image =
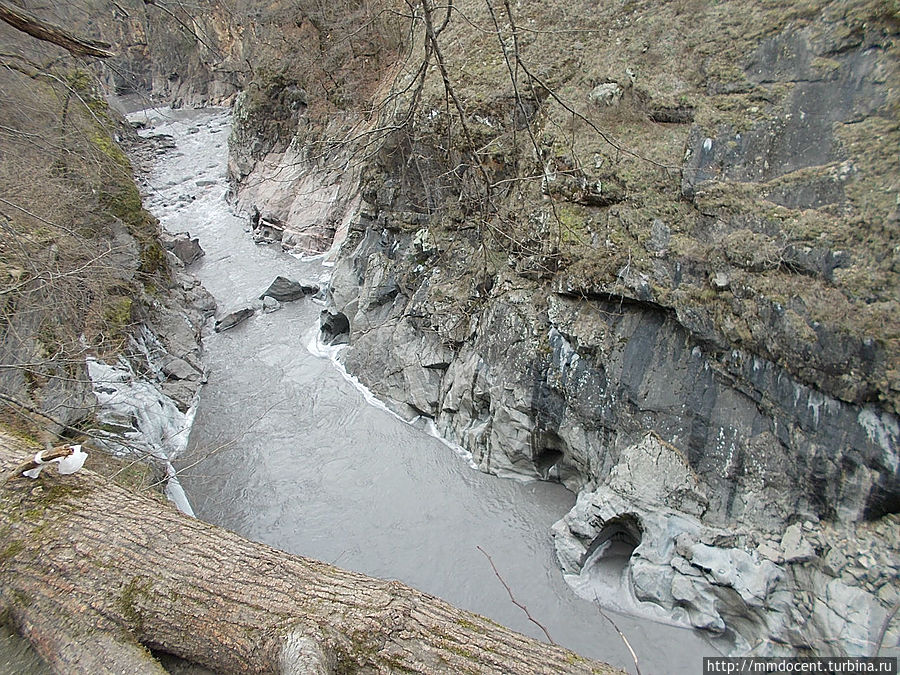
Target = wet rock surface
(787,587)
(718,418)
(270,304)
(562,387)
(713,301)
(288,290)
(186,249)
(232,319)
(335,327)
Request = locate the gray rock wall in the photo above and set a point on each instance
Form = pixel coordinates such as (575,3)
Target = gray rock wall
(712,454)
(699,335)
(546,383)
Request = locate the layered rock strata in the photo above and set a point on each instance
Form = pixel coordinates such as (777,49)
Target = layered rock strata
(743,438)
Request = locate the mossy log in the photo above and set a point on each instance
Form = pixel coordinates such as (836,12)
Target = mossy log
(95,575)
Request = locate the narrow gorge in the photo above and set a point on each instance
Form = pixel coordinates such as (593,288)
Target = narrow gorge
(287,449)
(646,252)
(668,319)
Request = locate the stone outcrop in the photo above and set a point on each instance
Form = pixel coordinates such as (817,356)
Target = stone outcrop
(169,341)
(798,587)
(177,55)
(566,388)
(270,304)
(698,355)
(531,374)
(294,200)
(335,327)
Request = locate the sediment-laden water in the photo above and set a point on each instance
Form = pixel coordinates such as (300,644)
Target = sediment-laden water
(286,450)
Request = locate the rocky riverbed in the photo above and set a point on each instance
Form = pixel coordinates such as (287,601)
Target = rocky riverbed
(683,372)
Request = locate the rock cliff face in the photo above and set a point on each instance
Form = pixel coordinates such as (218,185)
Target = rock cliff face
(618,400)
(304,201)
(91,302)
(173,55)
(696,328)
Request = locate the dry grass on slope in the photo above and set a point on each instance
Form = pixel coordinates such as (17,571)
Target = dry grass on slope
(77,247)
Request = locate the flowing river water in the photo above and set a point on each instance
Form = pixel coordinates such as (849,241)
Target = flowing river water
(287,450)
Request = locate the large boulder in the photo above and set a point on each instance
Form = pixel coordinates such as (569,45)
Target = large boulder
(288,290)
(183,247)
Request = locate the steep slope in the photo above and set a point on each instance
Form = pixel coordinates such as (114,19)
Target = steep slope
(83,275)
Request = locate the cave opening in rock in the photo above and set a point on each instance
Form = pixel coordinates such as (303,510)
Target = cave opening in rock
(883,500)
(613,547)
(549,451)
(545,460)
(605,574)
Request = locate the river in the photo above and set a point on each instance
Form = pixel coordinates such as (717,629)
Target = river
(287,450)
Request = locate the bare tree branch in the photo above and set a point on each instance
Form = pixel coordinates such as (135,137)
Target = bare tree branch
(513,598)
(40,29)
(634,657)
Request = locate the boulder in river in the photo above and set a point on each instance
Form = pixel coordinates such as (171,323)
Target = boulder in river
(185,248)
(233,319)
(270,304)
(288,290)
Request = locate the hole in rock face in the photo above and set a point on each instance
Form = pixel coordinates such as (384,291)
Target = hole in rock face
(548,453)
(605,576)
(883,500)
(335,327)
(545,460)
(613,547)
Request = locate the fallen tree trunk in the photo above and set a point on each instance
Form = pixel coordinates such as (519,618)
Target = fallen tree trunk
(93,574)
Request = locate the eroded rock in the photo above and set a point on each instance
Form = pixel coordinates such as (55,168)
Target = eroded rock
(335,327)
(607,94)
(234,318)
(288,290)
(183,247)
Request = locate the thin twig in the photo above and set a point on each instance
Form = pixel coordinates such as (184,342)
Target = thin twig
(513,598)
(634,657)
(884,628)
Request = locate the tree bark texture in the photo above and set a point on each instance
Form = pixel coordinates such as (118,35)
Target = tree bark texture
(40,29)
(94,574)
